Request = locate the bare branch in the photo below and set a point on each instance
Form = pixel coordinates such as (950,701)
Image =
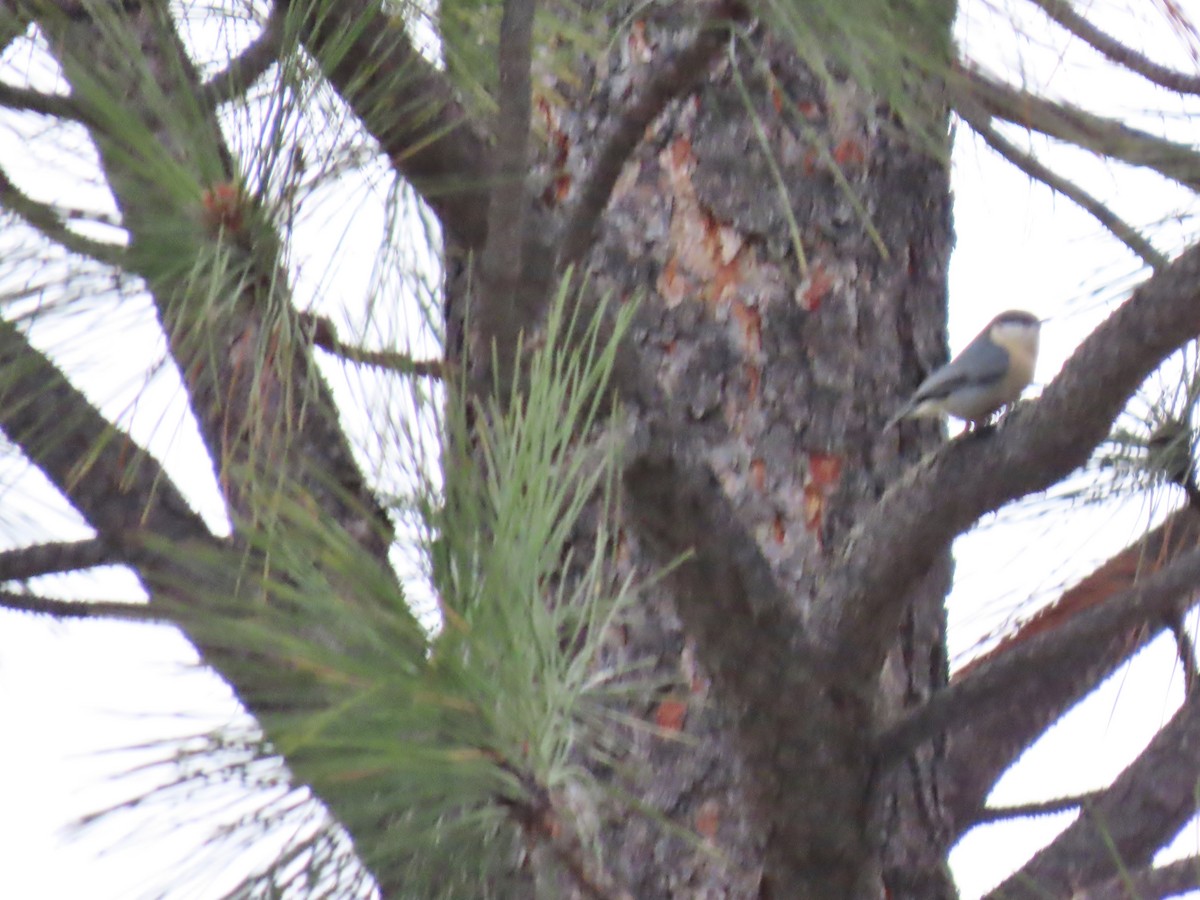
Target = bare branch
(1064,14)
(1039,808)
(81,609)
(860,604)
(60,106)
(14,22)
(322,333)
(497,322)
(673,78)
(57,556)
(1147,884)
(1104,137)
(1143,809)
(406,104)
(390,361)
(1015,677)
(979,749)
(117,486)
(1029,164)
(47,220)
(248,66)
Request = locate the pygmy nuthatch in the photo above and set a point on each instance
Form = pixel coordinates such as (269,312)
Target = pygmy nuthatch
(990,373)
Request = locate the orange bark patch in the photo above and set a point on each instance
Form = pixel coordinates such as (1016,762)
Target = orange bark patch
(825,469)
(671,284)
(809,109)
(560,186)
(776,96)
(758,474)
(670,715)
(778,529)
(750,320)
(816,288)
(708,818)
(849,154)
(727,275)
(821,480)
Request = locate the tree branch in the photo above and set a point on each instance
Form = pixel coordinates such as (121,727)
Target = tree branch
(249,65)
(1038,808)
(81,609)
(58,556)
(1147,884)
(46,220)
(1064,14)
(1016,677)
(405,103)
(673,78)
(1031,166)
(117,486)
(1104,137)
(979,748)
(1145,806)
(497,322)
(266,416)
(860,605)
(322,334)
(59,106)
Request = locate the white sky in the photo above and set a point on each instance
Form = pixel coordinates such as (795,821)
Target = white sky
(72,695)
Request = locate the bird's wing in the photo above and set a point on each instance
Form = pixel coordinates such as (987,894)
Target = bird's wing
(988,364)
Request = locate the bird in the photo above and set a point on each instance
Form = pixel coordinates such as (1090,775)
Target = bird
(990,372)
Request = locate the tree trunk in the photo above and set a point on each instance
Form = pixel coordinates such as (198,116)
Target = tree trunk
(787,369)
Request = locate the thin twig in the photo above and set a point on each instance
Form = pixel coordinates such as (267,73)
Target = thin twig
(675,77)
(324,335)
(249,65)
(57,556)
(1037,808)
(1063,13)
(391,361)
(1104,137)
(1031,166)
(81,609)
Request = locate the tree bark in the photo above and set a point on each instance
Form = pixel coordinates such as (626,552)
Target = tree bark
(781,371)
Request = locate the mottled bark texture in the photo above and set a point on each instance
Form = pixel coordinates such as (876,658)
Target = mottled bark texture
(780,372)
